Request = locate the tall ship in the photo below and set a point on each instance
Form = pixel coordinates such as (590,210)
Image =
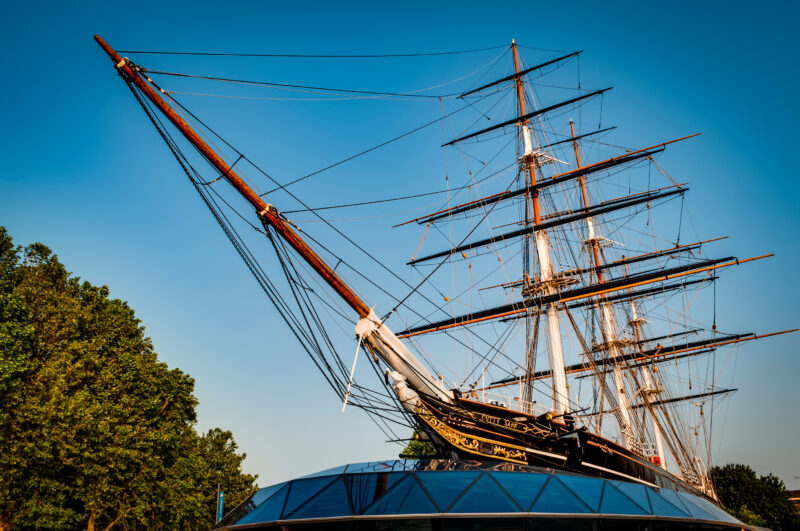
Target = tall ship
(548,321)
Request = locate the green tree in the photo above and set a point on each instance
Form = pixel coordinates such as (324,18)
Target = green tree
(95,432)
(417,448)
(223,465)
(762,501)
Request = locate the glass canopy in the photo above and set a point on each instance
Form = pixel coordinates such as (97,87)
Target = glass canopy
(447,488)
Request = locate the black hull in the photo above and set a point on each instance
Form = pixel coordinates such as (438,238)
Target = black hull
(470,430)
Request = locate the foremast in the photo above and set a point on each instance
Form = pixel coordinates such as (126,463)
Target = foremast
(560,389)
(409,375)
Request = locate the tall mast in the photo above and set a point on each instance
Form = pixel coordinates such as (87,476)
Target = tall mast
(369,327)
(531,207)
(560,390)
(608,317)
(649,384)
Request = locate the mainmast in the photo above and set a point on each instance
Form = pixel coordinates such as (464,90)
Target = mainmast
(375,334)
(560,392)
(608,317)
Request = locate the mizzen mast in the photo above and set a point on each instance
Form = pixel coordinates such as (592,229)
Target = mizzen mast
(650,386)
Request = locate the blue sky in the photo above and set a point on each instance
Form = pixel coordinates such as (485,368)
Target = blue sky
(85,173)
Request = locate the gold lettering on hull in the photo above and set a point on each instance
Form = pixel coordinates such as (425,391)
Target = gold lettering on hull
(512,425)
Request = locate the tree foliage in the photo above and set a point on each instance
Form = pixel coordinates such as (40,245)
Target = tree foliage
(95,432)
(761,501)
(418,447)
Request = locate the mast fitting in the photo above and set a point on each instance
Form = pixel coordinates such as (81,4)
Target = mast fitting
(268,208)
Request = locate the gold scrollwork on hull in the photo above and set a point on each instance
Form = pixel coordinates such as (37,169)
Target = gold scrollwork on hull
(472,444)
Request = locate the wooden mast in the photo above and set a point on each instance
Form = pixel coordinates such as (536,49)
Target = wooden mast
(585,196)
(531,204)
(649,381)
(560,394)
(526,139)
(609,319)
(265,211)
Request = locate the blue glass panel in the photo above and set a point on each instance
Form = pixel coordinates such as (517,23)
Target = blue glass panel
(672,497)
(331,501)
(366,488)
(355,468)
(615,502)
(523,486)
(662,507)
(557,498)
(587,488)
(695,508)
(301,490)
(485,496)
(408,464)
(445,486)
(376,466)
(269,510)
(720,513)
(406,497)
(635,491)
(327,472)
(263,494)
(362,489)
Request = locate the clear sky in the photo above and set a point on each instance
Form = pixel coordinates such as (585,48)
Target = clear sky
(84,172)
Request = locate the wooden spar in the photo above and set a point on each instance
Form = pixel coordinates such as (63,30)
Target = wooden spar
(584,135)
(518,74)
(508,194)
(685,332)
(645,256)
(541,225)
(597,132)
(581,293)
(265,211)
(669,277)
(649,356)
(669,357)
(664,288)
(555,179)
(666,401)
(639,257)
(524,117)
(598,205)
(622,261)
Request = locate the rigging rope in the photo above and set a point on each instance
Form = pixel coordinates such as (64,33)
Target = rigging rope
(329,90)
(359,154)
(321,56)
(350,266)
(306,339)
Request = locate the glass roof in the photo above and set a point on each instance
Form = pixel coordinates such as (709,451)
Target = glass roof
(436,487)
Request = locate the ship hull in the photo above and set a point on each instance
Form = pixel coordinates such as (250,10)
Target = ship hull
(468,429)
